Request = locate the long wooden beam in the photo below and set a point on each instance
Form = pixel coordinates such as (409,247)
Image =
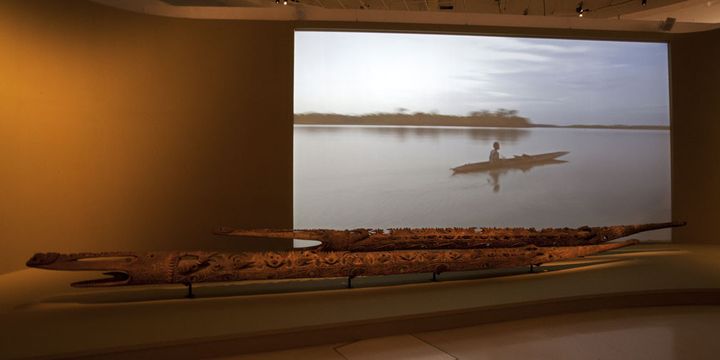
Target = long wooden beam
(450,238)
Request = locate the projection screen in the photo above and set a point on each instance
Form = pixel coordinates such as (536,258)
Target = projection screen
(382,119)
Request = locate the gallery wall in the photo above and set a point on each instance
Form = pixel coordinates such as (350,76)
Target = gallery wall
(127,131)
(123,131)
(695,88)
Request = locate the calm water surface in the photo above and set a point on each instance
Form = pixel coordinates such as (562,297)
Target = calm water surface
(382,177)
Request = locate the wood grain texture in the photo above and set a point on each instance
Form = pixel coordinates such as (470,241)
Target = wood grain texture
(449,238)
(186,267)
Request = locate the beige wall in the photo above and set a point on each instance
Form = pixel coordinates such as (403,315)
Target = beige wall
(695,63)
(127,131)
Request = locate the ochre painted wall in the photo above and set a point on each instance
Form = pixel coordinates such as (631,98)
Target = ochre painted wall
(123,131)
(695,72)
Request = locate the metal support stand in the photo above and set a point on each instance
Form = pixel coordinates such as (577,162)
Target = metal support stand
(532,268)
(349,284)
(190,294)
(434,276)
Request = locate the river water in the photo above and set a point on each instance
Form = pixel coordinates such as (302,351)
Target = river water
(383,177)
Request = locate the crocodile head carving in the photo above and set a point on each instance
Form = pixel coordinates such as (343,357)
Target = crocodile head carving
(119,268)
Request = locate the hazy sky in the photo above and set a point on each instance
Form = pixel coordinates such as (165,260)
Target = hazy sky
(547,80)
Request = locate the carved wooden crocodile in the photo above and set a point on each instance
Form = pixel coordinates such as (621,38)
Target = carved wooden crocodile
(187,267)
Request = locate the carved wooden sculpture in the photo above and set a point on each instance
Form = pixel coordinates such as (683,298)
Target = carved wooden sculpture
(187,267)
(451,238)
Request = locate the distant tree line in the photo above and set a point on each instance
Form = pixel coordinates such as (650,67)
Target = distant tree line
(497,113)
(485,118)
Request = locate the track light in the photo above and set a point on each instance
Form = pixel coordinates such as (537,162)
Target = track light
(581,10)
(285,2)
(643,2)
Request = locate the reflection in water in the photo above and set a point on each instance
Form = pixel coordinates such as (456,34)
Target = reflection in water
(435,132)
(495,174)
(495,179)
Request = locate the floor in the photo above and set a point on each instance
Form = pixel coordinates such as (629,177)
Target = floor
(638,333)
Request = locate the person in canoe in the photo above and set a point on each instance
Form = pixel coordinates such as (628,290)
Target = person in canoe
(495,152)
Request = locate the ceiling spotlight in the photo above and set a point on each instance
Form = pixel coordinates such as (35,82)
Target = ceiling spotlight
(643,2)
(581,10)
(285,2)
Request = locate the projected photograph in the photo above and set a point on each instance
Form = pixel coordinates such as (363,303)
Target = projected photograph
(418,130)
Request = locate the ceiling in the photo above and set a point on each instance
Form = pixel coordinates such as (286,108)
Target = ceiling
(613,15)
(684,10)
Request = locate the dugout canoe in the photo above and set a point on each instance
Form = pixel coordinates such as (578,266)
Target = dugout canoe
(517,161)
